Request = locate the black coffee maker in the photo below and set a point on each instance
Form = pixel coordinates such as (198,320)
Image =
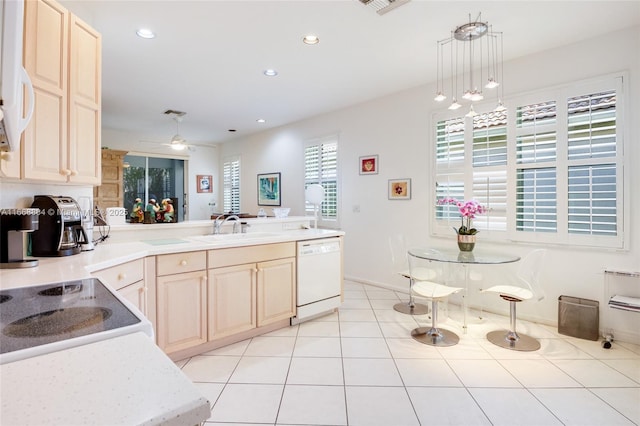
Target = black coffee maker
(60,232)
(13,224)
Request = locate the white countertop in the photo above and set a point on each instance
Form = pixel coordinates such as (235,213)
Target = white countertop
(100,384)
(55,269)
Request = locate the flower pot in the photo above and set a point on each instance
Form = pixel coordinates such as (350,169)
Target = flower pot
(466,242)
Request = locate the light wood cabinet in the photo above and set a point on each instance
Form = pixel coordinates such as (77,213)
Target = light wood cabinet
(181,301)
(110,193)
(276,290)
(232,300)
(128,280)
(250,287)
(63,58)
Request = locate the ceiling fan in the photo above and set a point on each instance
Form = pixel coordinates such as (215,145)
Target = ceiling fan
(177,143)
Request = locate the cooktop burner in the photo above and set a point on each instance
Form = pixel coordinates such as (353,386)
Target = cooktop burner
(75,311)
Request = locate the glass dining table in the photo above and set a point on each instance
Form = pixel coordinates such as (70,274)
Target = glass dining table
(466,259)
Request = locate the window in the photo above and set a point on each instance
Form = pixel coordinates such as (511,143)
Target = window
(321,167)
(550,168)
(154,178)
(231,185)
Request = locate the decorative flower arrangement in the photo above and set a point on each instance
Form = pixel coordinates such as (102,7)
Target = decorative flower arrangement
(468,211)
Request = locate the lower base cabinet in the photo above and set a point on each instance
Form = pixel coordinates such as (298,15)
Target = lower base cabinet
(276,290)
(243,296)
(182,311)
(232,300)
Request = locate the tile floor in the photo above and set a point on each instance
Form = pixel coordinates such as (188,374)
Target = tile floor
(360,367)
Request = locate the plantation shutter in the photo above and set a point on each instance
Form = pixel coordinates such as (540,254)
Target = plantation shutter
(321,167)
(591,154)
(231,185)
(536,180)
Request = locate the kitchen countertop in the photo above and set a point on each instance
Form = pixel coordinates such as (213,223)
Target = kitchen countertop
(54,269)
(100,384)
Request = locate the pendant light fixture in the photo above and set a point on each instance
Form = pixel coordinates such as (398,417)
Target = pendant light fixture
(475,53)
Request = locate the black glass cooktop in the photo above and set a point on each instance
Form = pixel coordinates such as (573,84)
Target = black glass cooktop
(39,315)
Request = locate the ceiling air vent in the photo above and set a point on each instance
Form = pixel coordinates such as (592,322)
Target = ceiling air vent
(383,6)
(174,112)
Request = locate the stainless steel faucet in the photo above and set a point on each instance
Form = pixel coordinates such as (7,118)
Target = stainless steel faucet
(217,224)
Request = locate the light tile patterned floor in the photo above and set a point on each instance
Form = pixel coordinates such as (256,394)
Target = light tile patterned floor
(360,367)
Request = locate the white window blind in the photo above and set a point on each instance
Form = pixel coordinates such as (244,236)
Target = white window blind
(549,169)
(321,167)
(231,185)
(592,181)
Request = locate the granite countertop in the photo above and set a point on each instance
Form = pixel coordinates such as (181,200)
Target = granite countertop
(100,384)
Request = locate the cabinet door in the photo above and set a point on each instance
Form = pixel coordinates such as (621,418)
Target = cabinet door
(181,310)
(44,148)
(136,293)
(84,102)
(232,300)
(276,290)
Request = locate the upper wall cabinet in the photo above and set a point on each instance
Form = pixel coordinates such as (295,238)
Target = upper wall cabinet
(63,58)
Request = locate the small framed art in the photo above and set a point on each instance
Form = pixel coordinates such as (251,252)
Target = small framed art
(399,189)
(369,165)
(205,183)
(269,189)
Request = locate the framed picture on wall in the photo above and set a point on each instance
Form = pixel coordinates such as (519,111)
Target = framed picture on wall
(369,165)
(205,183)
(269,189)
(399,189)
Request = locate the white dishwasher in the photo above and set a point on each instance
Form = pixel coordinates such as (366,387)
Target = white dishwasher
(319,277)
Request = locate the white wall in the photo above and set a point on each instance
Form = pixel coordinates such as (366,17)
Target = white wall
(398,129)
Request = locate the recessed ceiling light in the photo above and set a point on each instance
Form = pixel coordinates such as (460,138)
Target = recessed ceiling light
(270,72)
(145,33)
(310,39)
(261,120)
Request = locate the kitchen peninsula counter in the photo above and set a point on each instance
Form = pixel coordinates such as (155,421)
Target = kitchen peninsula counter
(105,255)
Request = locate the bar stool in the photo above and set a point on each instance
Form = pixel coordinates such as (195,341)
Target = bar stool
(525,287)
(398,247)
(436,292)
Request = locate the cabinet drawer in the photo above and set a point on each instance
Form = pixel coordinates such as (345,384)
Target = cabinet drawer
(251,254)
(167,264)
(122,275)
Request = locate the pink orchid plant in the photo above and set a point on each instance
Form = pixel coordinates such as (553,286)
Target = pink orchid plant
(468,211)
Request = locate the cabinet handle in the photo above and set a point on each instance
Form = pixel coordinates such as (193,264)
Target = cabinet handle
(74,172)
(183,263)
(141,290)
(122,276)
(65,172)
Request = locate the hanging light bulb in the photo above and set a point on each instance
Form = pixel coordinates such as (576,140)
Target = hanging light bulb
(492,83)
(454,105)
(440,97)
(500,107)
(471,113)
(476,96)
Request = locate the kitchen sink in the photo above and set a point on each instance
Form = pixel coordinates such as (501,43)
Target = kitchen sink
(217,238)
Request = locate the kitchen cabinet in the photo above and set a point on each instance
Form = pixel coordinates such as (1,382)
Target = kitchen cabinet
(250,287)
(128,280)
(181,300)
(62,55)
